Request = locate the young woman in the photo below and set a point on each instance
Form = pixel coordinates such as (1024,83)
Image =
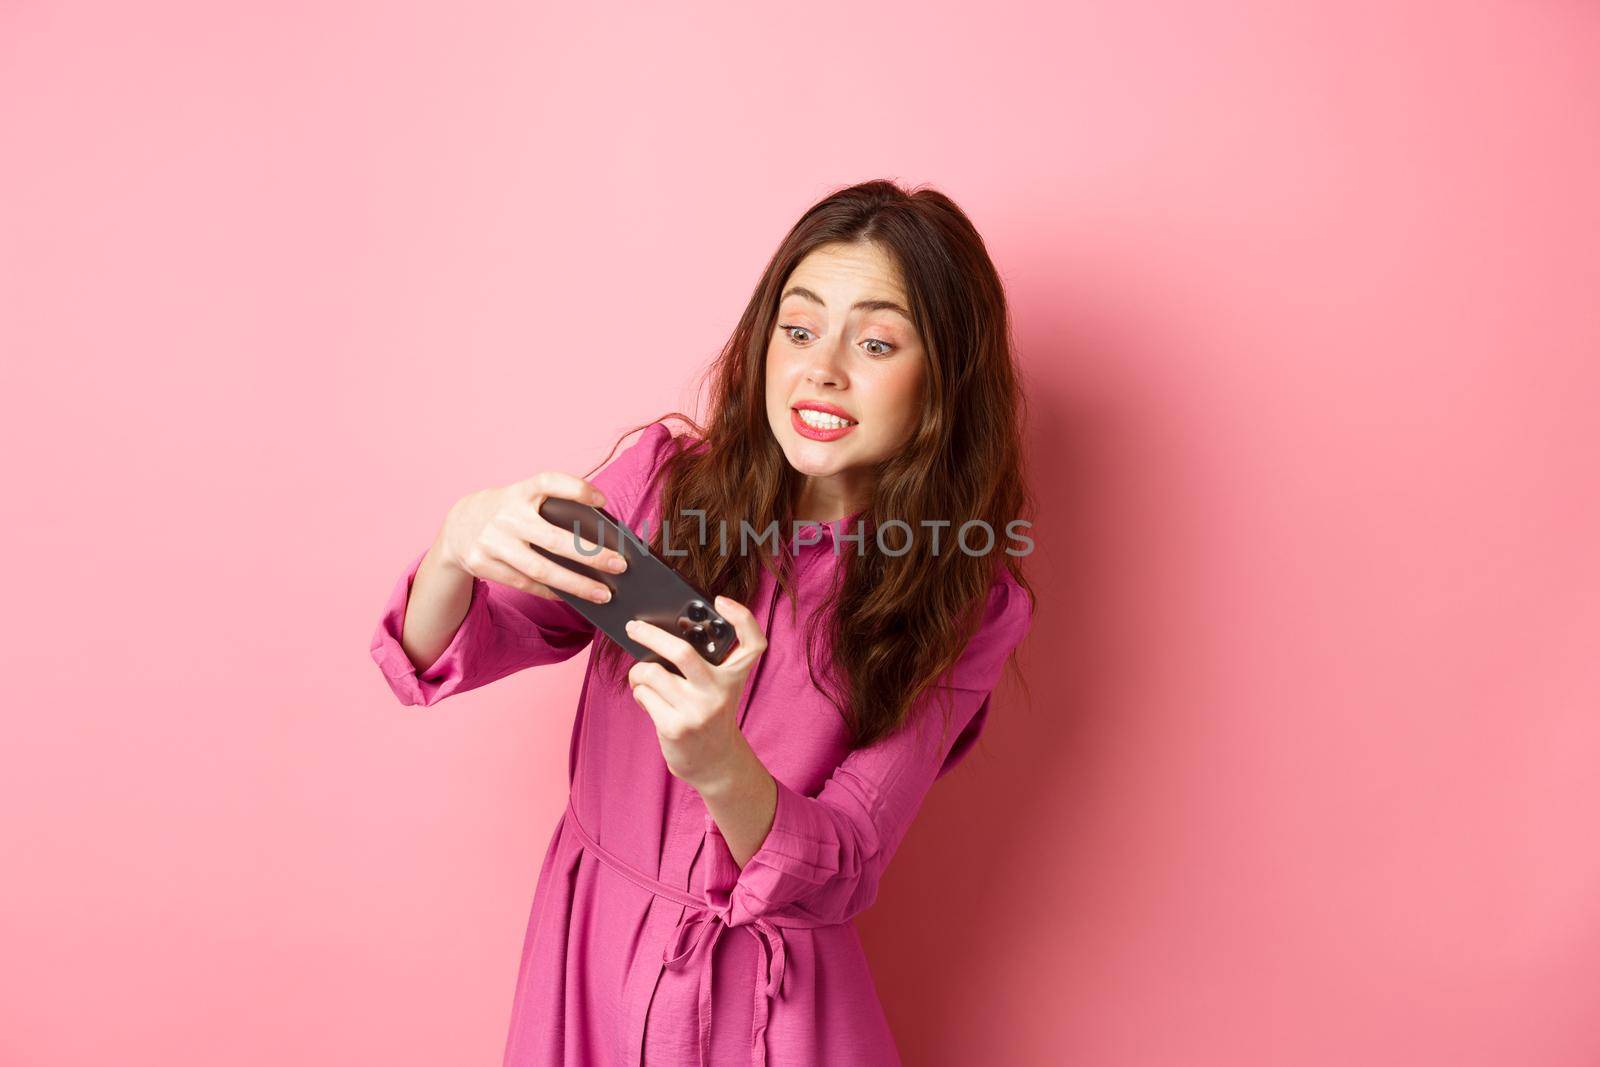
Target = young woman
(732,822)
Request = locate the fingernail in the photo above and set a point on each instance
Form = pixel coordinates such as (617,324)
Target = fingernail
(601,597)
(616,564)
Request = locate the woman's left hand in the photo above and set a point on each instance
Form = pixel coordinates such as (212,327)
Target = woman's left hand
(696,716)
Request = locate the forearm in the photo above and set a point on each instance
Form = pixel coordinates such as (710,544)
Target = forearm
(440,596)
(742,803)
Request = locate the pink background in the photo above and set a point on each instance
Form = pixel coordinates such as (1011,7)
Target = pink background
(1306,296)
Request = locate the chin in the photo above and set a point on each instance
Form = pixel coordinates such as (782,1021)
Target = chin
(803,460)
(812,457)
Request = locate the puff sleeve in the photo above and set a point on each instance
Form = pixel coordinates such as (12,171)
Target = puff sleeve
(825,854)
(505,629)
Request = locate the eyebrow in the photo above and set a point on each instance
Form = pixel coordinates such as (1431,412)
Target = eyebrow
(867,305)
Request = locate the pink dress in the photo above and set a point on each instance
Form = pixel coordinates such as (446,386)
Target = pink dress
(639,904)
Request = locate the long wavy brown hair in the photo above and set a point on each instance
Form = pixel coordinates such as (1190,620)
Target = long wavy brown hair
(896,623)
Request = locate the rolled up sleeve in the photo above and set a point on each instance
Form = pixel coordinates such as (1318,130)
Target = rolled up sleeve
(824,856)
(505,629)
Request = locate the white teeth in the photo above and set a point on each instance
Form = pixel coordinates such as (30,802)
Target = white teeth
(822,420)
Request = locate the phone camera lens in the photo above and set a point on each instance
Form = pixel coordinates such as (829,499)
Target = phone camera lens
(698,611)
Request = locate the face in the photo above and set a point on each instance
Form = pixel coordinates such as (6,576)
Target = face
(845,370)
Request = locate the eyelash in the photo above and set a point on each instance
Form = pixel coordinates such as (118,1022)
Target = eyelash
(875,355)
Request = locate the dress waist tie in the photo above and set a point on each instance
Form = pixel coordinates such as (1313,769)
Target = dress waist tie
(696,935)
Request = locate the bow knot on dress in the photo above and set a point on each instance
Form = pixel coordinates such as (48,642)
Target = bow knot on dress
(696,937)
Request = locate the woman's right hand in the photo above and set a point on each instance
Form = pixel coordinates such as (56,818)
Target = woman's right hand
(487,535)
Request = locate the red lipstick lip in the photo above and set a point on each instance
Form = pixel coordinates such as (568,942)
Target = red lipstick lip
(814,434)
(824,407)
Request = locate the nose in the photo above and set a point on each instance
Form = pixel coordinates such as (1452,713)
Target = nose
(825,367)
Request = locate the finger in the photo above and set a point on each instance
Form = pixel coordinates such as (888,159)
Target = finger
(752,642)
(567,486)
(514,553)
(661,711)
(670,647)
(669,686)
(565,540)
(498,571)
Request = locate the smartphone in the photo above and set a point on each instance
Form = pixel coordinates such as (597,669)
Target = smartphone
(648,589)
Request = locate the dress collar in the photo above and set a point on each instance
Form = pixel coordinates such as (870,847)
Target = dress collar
(831,531)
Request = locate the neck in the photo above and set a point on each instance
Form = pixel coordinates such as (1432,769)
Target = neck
(826,499)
